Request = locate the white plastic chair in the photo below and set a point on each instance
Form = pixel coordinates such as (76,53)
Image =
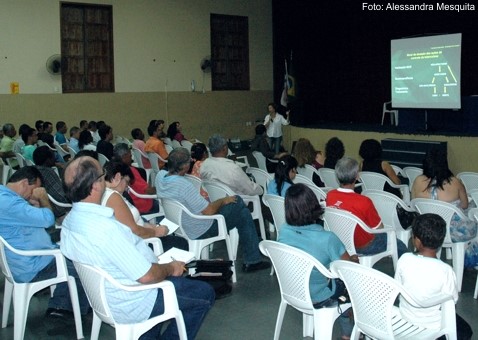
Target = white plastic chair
(303,179)
(138,158)
(343,223)
(376,181)
(71,151)
(217,190)
(153,159)
(469,179)
(328,177)
(411,173)
(473,215)
(196,181)
(261,177)
(59,204)
(373,295)
(60,150)
(102,159)
(446,211)
(293,267)
(308,171)
(5,171)
(173,211)
(175,144)
(398,170)
(94,279)
(393,113)
(20,159)
(261,160)
(386,204)
(152,216)
(23,292)
(276,205)
(187,144)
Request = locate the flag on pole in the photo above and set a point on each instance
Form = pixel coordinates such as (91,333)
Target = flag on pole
(284,96)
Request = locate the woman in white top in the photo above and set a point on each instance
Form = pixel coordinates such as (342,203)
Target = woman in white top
(117,177)
(273,123)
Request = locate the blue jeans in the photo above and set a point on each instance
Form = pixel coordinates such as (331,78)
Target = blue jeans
(379,244)
(275,143)
(61,297)
(237,215)
(195,298)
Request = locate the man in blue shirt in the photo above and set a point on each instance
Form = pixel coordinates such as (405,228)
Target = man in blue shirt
(91,235)
(26,213)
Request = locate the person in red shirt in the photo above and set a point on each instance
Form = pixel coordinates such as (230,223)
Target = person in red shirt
(345,198)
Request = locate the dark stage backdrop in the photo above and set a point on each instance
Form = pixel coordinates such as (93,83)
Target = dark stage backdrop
(341,53)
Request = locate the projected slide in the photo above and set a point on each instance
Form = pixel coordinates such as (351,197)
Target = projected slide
(426,72)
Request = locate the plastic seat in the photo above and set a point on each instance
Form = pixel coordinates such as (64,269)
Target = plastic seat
(343,223)
(446,211)
(373,295)
(303,179)
(20,159)
(376,181)
(196,181)
(386,204)
(60,150)
(173,211)
(187,144)
(398,170)
(473,215)
(175,144)
(217,190)
(411,173)
(102,159)
(469,179)
(261,160)
(261,177)
(393,113)
(152,216)
(71,151)
(5,171)
(94,282)
(138,156)
(328,177)
(23,292)
(308,171)
(293,267)
(59,204)
(276,205)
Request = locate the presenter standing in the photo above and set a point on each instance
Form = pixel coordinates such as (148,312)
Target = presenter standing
(273,122)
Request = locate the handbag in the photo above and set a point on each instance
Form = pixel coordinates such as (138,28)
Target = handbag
(217,273)
(406,217)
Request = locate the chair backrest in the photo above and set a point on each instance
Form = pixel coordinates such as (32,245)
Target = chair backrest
(373,180)
(168,148)
(320,193)
(398,170)
(308,171)
(473,214)
(293,267)
(217,190)
(411,173)
(276,205)
(342,223)
(469,179)
(474,195)
(187,144)
(72,152)
(261,177)
(444,209)
(260,159)
(3,260)
(328,177)
(302,179)
(20,159)
(138,156)
(153,159)
(386,204)
(93,281)
(173,211)
(167,141)
(175,144)
(196,181)
(102,159)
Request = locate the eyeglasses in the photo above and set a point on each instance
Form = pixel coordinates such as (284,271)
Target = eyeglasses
(99,177)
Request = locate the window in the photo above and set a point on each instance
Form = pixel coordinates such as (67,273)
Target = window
(87,48)
(229,52)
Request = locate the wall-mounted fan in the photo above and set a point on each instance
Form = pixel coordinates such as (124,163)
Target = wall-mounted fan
(53,64)
(206,64)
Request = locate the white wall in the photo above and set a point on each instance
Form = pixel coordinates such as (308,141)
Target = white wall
(156,43)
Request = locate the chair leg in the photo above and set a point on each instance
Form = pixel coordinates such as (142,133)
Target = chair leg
(7,301)
(76,307)
(475,294)
(280,317)
(21,302)
(95,327)
(307,325)
(458,250)
(181,326)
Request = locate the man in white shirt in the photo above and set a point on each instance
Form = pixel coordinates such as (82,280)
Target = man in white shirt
(221,169)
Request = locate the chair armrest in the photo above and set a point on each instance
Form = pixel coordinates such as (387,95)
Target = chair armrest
(219,218)
(156,243)
(150,196)
(429,302)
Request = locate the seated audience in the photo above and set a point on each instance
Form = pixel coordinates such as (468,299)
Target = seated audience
(138,143)
(92,127)
(91,235)
(83,125)
(371,153)
(334,150)
(283,177)
(61,129)
(39,126)
(439,183)
(85,141)
(46,135)
(235,212)
(6,145)
(198,154)
(426,276)
(118,176)
(44,159)
(104,146)
(175,132)
(155,144)
(221,169)
(304,231)
(347,171)
(305,153)
(18,144)
(26,214)
(74,136)
(122,153)
(260,143)
(30,139)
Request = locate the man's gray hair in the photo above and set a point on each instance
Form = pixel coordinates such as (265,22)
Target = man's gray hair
(7,128)
(346,170)
(120,149)
(216,143)
(177,159)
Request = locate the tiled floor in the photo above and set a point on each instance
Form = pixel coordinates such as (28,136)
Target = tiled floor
(249,313)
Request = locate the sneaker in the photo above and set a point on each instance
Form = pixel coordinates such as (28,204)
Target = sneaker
(249,268)
(58,313)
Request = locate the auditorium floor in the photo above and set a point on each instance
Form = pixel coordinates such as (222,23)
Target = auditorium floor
(249,313)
